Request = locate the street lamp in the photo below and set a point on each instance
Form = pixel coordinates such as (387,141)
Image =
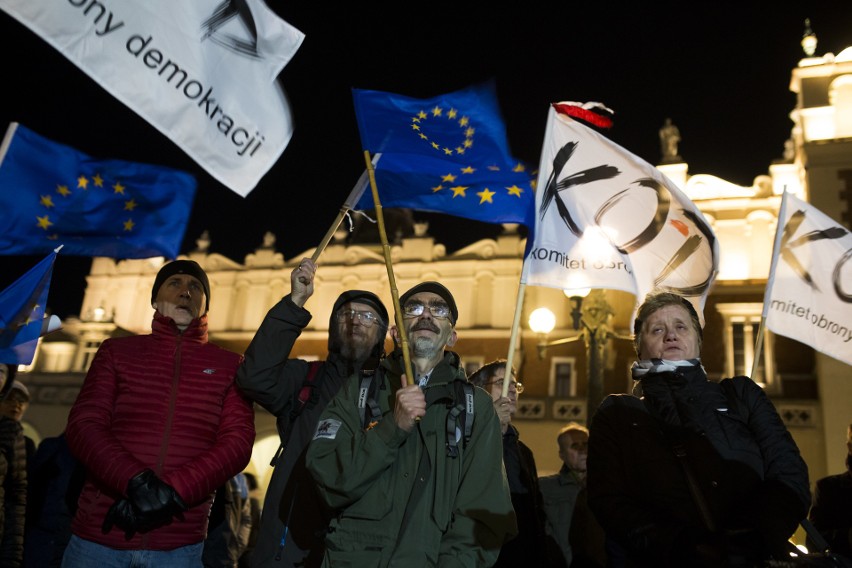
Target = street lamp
(590,316)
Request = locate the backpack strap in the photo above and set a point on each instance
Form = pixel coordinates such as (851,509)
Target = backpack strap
(458,398)
(368,407)
(300,400)
(307,392)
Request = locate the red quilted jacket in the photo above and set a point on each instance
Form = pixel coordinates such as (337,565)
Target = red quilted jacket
(168,402)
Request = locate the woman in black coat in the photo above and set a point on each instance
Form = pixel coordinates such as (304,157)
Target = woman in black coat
(695,472)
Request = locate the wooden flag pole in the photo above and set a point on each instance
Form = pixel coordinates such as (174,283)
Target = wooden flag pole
(403,337)
(333,229)
(516,324)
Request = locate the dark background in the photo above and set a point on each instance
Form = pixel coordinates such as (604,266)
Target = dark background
(720,70)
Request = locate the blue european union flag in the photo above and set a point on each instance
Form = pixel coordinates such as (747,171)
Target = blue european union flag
(22,308)
(448,154)
(52,195)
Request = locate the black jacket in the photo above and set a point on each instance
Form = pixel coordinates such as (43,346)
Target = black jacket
(530,545)
(746,464)
(268,377)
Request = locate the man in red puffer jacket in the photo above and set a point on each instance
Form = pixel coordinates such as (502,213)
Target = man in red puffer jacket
(159,424)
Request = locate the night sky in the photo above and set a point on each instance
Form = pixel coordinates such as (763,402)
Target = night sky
(720,70)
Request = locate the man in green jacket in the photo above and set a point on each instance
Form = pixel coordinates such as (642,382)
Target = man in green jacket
(414,473)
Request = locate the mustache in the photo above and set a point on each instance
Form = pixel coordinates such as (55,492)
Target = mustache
(425,325)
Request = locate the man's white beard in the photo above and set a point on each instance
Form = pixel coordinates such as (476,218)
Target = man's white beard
(425,347)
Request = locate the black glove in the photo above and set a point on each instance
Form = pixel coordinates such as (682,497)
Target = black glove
(153,499)
(122,515)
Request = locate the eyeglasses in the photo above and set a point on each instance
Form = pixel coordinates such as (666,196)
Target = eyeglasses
(414,309)
(519,387)
(367,319)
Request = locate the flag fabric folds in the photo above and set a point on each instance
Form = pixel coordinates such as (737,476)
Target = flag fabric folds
(52,195)
(809,292)
(22,307)
(204,73)
(447,154)
(607,219)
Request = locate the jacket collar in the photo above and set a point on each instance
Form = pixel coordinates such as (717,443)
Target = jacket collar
(164,326)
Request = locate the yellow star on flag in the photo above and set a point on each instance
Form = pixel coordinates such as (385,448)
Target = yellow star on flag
(63,190)
(514,190)
(83,182)
(47,201)
(459,190)
(128,225)
(44,222)
(485,195)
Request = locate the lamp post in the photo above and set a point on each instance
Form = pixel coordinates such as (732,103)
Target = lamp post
(590,316)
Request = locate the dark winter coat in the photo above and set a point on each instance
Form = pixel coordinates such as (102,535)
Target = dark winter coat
(268,377)
(13,492)
(747,467)
(559,492)
(530,545)
(831,512)
(165,401)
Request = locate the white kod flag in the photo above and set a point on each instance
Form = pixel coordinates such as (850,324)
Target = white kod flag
(809,295)
(203,73)
(607,219)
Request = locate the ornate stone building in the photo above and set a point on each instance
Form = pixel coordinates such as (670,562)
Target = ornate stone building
(813,392)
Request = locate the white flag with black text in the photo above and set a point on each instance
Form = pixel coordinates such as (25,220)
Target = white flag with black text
(809,292)
(204,73)
(607,219)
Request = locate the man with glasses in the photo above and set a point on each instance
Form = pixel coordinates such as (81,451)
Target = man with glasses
(530,546)
(414,473)
(294,520)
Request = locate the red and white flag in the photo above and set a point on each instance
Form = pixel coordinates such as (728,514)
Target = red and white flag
(605,218)
(809,291)
(204,73)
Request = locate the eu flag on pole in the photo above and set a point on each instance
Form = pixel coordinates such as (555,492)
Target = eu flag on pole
(448,154)
(22,308)
(52,195)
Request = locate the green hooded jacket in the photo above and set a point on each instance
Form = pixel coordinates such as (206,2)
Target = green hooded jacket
(464,513)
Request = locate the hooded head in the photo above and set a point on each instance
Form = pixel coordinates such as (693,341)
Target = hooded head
(335,341)
(188,267)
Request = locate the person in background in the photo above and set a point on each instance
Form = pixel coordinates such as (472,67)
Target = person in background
(13,479)
(559,491)
(54,481)
(229,525)
(14,405)
(255,513)
(831,511)
(294,520)
(695,472)
(414,473)
(159,425)
(530,545)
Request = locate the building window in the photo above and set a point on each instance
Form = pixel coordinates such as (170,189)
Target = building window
(741,329)
(87,352)
(563,377)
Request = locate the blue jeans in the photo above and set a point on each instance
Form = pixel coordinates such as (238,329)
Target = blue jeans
(87,554)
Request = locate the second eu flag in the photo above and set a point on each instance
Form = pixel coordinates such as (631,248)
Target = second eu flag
(52,195)
(448,154)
